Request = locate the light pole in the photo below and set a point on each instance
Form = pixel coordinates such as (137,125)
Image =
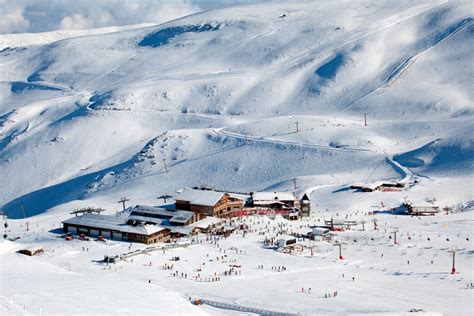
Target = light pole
(395,237)
(340,250)
(453,268)
(297,126)
(164,163)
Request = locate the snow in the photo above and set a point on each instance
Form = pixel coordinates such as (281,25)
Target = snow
(27,39)
(112,223)
(272,196)
(71,268)
(199,197)
(245,99)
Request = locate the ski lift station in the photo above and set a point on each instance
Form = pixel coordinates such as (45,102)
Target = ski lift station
(151,224)
(286,241)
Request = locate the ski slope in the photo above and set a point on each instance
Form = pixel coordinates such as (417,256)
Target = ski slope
(246,98)
(28,39)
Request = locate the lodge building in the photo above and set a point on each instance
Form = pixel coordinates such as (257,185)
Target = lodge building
(275,200)
(116,227)
(207,202)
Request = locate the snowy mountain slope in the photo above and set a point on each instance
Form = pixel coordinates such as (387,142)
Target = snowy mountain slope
(259,97)
(75,110)
(27,39)
(440,156)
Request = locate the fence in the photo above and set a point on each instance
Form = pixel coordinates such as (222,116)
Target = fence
(246,309)
(128,255)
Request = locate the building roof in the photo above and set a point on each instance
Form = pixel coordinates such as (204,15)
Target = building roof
(174,216)
(336,221)
(240,196)
(273,196)
(199,197)
(150,209)
(183,230)
(154,220)
(206,222)
(286,237)
(269,202)
(33,248)
(368,185)
(182,217)
(111,222)
(304,197)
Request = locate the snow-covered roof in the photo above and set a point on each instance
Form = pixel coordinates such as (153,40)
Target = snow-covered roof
(154,220)
(368,185)
(320,230)
(269,202)
(273,196)
(182,217)
(175,216)
(287,237)
(112,223)
(184,230)
(206,222)
(336,221)
(150,209)
(33,248)
(243,197)
(199,197)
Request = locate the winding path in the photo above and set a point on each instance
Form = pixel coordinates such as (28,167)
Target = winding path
(404,172)
(222,132)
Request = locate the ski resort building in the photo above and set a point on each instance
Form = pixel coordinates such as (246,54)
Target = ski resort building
(142,223)
(32,251)
(207,202)
(159,215)
(273,199)
(305,206)
(116,227)
(421,210)
(377,185)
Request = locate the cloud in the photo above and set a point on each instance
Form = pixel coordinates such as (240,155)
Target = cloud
(74,22)
(47,15)
(12,19)
(101,13)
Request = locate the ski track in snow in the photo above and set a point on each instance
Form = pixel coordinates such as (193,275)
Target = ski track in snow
(84,133)
(221,131)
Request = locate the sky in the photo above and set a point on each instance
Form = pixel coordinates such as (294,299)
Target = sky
(31,16)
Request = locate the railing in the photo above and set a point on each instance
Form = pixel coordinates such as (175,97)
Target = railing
(246,309)
(257,211)
(146,250)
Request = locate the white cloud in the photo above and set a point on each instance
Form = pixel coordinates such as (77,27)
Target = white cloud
(48,15)
(100,13)
(74,22)
(12,19)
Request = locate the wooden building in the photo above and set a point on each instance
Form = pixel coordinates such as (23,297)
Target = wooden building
(116,227)
(207,202)
(305,206)
(32,251)
(172,217)
(429,210)
(275,200)
(378,185)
